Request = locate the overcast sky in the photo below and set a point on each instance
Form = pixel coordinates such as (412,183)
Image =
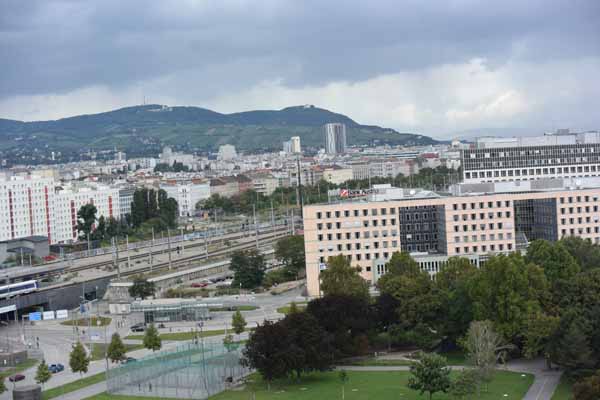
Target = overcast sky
(433,67)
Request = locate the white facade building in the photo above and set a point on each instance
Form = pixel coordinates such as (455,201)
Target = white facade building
(226,152)
(335,138)
(295,141)
(187,194)
(560,155)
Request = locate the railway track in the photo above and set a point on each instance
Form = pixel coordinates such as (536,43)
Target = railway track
(267,237)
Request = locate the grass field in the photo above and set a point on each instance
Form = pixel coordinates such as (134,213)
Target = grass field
(369,385)
(72,386)
(98,350)
(184,335)
(30,362)
(83,322)
(286,309)
(564,390)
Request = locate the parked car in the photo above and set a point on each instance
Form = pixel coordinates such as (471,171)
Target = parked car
(55,368)
(138,328)
(16,378)
(199,284)
(129,360)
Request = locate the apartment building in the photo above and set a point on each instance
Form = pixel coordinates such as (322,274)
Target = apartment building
(26,206)
(560,155)
(36,205)
(187,194)
(474,224)
(68,199)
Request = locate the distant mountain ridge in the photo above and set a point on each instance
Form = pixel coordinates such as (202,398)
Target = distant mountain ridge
(195,127)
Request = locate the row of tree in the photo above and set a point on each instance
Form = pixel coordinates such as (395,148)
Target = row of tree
(154,208)
(150,209)
(431,178)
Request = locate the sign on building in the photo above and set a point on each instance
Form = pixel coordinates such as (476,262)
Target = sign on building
(35,316)
(60,314)
(48,315)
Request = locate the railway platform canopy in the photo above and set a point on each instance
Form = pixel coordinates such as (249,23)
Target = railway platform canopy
(171,310)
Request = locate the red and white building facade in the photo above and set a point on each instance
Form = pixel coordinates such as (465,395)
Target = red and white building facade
(36,205)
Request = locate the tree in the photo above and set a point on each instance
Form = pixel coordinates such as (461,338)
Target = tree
(152,340)
(116,349)
(267,351)
(293,308)
(430,374)
(588,388)
(584,251)
(506,290)
(86,218)
(570,345)
(112,228)
(42,374)
(418,302)
(78,359)
(465,384)
(100,231)
(248,267)
(402,263)
(341,279)
(344,318)
(309,345)
(554,258)
(290,251)
(481,344)
(343,375)
(2,386)
(452,285)
(141,288)
(228,342)
(539,328)
(238,322)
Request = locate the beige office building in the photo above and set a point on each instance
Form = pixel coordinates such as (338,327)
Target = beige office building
(481,220)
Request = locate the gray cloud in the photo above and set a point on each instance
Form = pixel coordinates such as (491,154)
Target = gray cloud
(201,52)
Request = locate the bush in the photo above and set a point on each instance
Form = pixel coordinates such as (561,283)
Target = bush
(274,278)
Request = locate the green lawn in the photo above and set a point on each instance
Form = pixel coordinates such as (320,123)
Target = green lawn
(72,386)
(184,335)
(85,322)
(367,386)
(30,362)
(564,390)
(98,350)
(286,309)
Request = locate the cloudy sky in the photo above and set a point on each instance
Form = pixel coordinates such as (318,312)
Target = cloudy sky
(434,67)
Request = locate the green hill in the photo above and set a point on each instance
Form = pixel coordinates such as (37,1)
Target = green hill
(139,127)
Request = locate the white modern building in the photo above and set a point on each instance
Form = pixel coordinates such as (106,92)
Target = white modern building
(187,194)
(295,141)
(559,155)
(335,138)
(226,152)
